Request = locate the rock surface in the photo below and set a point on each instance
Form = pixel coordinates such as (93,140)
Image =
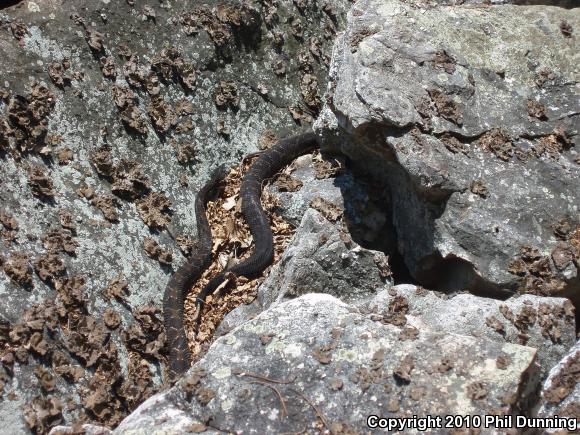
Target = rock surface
(463,121)
(414,318)
(112,115)
(561,391)
(315,361)
(472,124)
(545,324)
(322,257)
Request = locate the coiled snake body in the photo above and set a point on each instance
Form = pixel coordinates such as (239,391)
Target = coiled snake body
(267,165)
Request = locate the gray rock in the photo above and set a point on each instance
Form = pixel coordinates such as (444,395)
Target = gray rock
(414,85)
(469,116)
(546,324)
(316,356)
(74,130)
(363,212)
(89,429)
(318,260)
(323,256)
(561,391)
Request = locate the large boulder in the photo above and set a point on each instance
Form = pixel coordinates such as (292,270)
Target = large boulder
(112,115)
(469,116)
(316,363)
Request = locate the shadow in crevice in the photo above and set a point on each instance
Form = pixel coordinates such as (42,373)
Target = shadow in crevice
(8,3)
(567,4)
(369,220)
(454,274)
(408,207)
(408,233)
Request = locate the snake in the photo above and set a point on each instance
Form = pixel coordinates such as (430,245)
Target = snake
(265,166)
(184,278)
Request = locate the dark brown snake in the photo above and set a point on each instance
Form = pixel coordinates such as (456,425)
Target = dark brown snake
(184,278)
(266,166)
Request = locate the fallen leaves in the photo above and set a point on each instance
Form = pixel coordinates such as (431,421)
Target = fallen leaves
(232,242)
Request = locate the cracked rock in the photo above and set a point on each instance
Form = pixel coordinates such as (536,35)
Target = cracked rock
(358,365)
(476,160)
(560,394)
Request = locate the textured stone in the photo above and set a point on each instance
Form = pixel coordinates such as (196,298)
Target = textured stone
(546,324)
(317,261)
(431,100)
(324,357)
(324,256)
(113,87)
(465,116)
(561,391)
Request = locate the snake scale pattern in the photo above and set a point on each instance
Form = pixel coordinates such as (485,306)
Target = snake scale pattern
(184,278)
(265,166)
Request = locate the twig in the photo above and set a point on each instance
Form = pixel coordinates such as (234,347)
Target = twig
(263,378)
(228,278)
(284,412)
(318,413)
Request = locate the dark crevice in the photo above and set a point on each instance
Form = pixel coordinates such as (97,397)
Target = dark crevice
(464,138)
(453,275)
(448,275)
(8,3)
(401,273)
(383,239)
(566,4)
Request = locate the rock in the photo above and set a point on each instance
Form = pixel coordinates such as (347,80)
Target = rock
(561,391)
(321,259)
(104,108)
(316,362)
(474,133)
(88,429)
(323,256)
(545,324)
(318,260)
(360,205)
(466,117)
